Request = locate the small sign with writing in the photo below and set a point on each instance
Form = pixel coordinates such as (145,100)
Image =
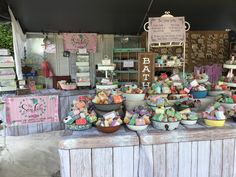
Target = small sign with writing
(166,29)
(146,68)
(128,63)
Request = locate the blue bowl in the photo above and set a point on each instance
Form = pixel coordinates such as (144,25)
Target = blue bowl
(199,94)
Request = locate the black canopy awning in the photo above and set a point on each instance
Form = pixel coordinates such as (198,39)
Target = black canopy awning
(117,16)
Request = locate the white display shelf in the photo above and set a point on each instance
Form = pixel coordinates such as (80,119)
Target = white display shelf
(167,66)
(80,64)
(105,87)
(106,67)
(7,65)
(7,77)
(4,89)
(83,74)
(215,93)
(227,66)
(83,83)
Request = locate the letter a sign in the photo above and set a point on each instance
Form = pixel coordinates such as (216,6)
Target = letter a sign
(146,69)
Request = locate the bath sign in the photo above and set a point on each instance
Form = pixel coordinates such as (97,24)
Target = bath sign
(146,70)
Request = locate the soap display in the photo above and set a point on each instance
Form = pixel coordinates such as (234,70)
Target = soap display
(81,116)
(214,115)
(138,118)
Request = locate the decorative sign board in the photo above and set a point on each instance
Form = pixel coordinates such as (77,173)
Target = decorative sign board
(166,29)
(146,68)
(75,41)
(32,109)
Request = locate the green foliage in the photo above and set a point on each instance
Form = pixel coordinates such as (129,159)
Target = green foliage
(6,40)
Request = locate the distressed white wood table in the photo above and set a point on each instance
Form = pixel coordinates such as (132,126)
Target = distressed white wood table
(91,153)
(189,151)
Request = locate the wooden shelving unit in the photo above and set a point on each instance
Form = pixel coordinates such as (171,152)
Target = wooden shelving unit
(83,72)
(126,60)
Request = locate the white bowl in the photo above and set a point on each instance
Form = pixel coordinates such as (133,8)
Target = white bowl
(130,105)
(136,127)
(228,106)
(165,125)
(215,93)
(133,97)
(201,81)
(188,122)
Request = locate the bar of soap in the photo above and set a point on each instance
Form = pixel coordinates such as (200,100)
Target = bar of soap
(229,100)
(132,121)
(216,105)
(160,110)
(220,115)
(178,116)
(158,117)
(170,113)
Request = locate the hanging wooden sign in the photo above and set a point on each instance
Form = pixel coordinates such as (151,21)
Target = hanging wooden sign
(146,68)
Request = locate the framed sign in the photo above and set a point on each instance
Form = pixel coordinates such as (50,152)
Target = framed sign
(146,68)
(166,29)
(32,109)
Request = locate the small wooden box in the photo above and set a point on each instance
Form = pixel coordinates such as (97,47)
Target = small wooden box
(24,91)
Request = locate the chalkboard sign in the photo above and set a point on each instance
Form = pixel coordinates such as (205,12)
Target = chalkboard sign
(166,29)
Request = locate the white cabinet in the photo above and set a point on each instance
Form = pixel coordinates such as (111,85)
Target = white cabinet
(7,74)
(83,70)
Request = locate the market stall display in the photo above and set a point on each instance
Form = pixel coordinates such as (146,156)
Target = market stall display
(106,82)
(138,118)
(199,91)
(226,101)
(66,86)
(109,123)
(166,118)
(214,115)
(185,103)
(201,78)
(216,89)
(189,117)
(80,117)
(230,79)
(134,96)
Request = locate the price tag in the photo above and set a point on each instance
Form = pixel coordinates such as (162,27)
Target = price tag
(128,63)
(83,51)
(110,115)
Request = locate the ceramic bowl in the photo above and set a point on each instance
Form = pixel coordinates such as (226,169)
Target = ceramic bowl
(188,122)
(199,94)
(228,106)
(214,123)
(107,107)
(133,97)
(137,128)
(201,81)
(130,105)
(215,93)
(75,127)
(108,129)
(165,125)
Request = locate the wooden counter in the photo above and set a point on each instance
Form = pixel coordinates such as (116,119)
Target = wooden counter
(189,151)
(91,153)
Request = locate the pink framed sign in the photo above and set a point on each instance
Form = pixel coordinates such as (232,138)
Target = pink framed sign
(32,109)
(75,41)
